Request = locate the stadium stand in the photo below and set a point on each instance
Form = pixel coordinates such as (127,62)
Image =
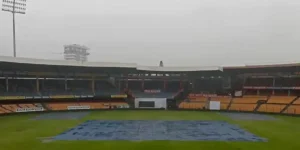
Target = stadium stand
(79,87)
(242,107)
(297,101)
(197,98)
(105,87)
(10,108)
(2,86)
(152,84)
(53,87)
(173,86)
(61,106)
(292,109)
(281,99)
(248,99)
(134,85)
(41,85)
(199,101)
(225,101)
(18,87)
(272,108)
(192,105)
(259,82)
(86,105)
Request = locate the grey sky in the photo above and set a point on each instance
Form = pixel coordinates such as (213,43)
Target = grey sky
(179,32)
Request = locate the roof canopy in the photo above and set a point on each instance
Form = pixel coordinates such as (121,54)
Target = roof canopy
(90,65)
(30,61)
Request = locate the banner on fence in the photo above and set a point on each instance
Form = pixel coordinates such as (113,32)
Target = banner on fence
(30,109)
(78,107)
(118,96)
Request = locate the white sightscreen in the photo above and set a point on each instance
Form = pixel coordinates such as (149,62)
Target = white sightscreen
(214,105)
(158,102)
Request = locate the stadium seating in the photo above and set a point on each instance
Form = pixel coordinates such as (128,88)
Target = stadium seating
(198,99)
(104,105)
(173,86)
(223,100)
(104,85)
(90,105)
(249,99)
(198,102)
(297,101)
(281,99)
(133,85)
(192,105)
(274,108)
(52,85)
(95,105)
(153,84)
(242,107)
(4,110)
(61,106)
(9,108)
(293,109)
(2,88)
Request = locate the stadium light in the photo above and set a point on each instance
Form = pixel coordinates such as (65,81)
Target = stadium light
(14,6)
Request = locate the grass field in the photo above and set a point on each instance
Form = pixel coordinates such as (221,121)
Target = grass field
(20,132)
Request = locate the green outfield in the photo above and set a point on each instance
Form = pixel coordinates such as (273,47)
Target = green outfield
(20,132)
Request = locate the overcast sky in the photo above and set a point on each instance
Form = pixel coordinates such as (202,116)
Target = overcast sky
(179,32)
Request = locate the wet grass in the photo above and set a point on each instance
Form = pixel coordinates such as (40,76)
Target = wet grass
(21,132)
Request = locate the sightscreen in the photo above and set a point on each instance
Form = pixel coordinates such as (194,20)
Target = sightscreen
(146,104)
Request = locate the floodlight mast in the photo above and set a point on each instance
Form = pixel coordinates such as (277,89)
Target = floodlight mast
(14,6)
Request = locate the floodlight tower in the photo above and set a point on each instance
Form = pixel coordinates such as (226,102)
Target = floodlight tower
(15,7)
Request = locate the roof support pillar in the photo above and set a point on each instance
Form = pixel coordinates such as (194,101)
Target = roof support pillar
(37,84)
(66,84)
(93,84)
(6,83)
(43,84)
(119,85)
(193,84)
(143,84)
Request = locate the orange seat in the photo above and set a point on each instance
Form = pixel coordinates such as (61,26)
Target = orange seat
(293,109)
(281,99)
(224,106)
(61,106)
(91,105)
(249,99)
(276,108)
(223,100)
(242,107)
(192,105)
(297,101)
(95,105)
(4,110)
(9,108)
(198,99)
